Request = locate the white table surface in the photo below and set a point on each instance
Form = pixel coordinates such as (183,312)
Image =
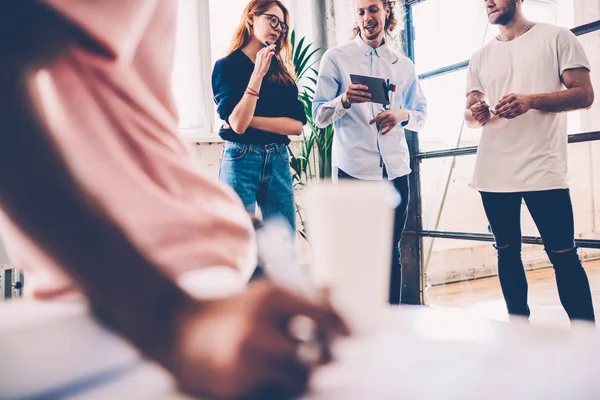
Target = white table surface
(57,350)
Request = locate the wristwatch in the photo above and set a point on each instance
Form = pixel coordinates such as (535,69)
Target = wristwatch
(403,124)
(347,107)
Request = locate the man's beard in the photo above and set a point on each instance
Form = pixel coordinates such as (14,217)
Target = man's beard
(508,15)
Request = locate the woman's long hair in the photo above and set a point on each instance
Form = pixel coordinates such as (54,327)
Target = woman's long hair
(282,68)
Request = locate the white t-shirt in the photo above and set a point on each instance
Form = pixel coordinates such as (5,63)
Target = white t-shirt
(527,153)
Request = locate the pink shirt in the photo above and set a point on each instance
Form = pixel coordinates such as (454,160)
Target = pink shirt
(113,118)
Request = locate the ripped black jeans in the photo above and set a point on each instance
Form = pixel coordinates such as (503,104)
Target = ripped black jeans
(552,213)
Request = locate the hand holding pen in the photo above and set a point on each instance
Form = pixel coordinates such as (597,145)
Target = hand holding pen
(481,111)
(273,47)
(263,60)
(277,253)
(485,104)
(390,119)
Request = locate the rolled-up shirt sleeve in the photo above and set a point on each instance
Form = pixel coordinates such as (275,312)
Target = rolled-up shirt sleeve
(327,103)
(473,81)
(116,26)
(227,89)
(415,103)
(571,53)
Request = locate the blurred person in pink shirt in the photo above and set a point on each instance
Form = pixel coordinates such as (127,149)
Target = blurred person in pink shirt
(99,195)
(111,115)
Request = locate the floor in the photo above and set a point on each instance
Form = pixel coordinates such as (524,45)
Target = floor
(484,296)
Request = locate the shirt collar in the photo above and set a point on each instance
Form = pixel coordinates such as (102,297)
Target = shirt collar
(368,50)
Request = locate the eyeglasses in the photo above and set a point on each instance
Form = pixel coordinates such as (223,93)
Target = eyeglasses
(274,21)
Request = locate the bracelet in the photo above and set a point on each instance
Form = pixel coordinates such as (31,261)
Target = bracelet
(251,91)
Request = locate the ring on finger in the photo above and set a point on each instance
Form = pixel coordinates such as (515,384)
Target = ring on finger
(309,353)
(302,328)
(309,350)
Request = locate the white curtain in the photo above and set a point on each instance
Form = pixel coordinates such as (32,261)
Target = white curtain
(191,69)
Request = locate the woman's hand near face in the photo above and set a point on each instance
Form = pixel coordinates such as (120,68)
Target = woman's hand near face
(263,60)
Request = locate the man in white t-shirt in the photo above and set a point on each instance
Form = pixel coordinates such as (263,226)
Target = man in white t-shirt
(519,86)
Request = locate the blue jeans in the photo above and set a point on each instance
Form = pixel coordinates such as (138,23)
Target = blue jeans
(260,174)
(403,188)
(552,213)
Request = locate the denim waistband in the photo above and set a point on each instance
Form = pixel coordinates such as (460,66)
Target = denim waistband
(263,148)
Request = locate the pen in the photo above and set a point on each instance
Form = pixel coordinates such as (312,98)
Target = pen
(386,91)
(267,43)
(484,103)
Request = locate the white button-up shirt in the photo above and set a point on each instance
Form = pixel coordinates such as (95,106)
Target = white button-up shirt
(358,149)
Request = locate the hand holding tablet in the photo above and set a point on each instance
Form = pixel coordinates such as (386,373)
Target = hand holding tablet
(356,94)
(376,87)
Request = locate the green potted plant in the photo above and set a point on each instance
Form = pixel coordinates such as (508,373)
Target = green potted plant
(313,160)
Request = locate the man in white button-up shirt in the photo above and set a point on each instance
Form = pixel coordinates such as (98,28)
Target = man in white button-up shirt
(369,141)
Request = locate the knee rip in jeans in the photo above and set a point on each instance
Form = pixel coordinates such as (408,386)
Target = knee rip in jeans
(561,251)
(508,248)
(509,252)
(566,258)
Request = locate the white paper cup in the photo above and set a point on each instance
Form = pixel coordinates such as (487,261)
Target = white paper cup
(350,228)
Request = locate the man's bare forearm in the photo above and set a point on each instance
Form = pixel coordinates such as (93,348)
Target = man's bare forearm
(39,194)
(576,98)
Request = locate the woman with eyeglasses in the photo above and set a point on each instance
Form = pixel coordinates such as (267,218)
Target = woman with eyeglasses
(257,98)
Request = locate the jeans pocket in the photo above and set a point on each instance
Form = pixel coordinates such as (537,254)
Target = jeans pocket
(284,154)
(234,151)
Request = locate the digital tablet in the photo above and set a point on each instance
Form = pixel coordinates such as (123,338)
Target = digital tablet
(377,87)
